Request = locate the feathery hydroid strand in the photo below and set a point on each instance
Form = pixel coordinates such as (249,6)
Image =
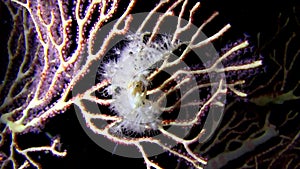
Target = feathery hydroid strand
(128,81)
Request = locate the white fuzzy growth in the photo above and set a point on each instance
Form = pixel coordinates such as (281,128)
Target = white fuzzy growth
(129,84)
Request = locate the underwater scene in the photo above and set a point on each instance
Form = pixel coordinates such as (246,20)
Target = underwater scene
(149,84)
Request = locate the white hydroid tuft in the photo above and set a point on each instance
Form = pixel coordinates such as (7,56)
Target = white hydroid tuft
(128,77)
